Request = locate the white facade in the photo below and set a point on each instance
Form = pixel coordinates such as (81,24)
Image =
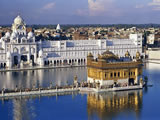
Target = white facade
(19,48)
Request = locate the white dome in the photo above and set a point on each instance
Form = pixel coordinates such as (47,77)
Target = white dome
(8,55)
(7,35)
(30,35)
(18,20)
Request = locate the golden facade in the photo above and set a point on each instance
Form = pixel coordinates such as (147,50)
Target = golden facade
(109,67)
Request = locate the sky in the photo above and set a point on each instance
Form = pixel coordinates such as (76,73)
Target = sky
(81,11)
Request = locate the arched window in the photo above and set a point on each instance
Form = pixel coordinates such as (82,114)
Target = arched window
(15,50)
(32,50)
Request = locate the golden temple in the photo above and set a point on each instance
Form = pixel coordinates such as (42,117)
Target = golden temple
(110,70)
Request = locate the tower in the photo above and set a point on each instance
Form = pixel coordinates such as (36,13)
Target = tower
(19,26)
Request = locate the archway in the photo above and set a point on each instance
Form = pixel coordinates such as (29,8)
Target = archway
(55,62)
(15,60)
(24,58)
(65,62)
(79,61)
(60,61)
(4,65)
(1,65)
(131,81)
(45,62)
(32,58)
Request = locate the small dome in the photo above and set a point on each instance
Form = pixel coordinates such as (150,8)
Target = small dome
(109,55)
(90,55)
(7,35)
(18,20)
(30,35)
(127,54)
(138,54)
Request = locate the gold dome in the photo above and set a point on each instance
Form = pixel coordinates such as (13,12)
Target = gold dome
(108,55)
(90,55)
(138,54)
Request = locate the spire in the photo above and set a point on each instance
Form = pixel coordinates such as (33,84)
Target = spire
(58,27)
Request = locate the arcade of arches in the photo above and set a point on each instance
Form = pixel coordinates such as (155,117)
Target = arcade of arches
(65,62)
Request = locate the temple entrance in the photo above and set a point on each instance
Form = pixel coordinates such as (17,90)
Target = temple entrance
(131,81)
(15,60)
(32,58)
(4,65)
(65,62)
(24,58)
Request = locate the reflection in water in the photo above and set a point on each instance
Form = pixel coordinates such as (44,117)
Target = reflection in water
(21,110)
(26,79)
(108,105)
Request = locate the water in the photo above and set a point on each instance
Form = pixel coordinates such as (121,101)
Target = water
(139,104)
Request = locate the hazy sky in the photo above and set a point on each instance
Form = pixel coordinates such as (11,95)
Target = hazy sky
(81,11)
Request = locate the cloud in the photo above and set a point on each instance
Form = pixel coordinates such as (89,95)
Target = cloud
(155,4)
(97,7)
(49,6)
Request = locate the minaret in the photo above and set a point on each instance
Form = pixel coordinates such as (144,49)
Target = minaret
(58,28)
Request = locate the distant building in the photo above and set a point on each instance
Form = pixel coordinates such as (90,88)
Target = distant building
(79,36)
(20,48)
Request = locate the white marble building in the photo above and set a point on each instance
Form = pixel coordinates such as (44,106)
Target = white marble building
(20,49)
